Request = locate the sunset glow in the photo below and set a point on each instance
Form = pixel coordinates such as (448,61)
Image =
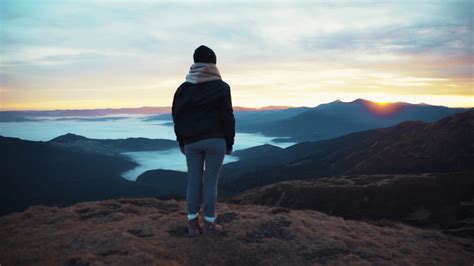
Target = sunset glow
(133,54)
(382,108)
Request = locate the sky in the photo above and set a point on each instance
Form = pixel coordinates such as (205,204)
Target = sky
(111,54)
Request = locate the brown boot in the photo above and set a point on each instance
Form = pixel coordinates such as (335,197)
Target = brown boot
(212,229)
(194,228)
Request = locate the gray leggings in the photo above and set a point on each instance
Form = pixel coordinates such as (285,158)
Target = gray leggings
(202,183)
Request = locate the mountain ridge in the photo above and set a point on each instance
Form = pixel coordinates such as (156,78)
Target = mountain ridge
(431,200)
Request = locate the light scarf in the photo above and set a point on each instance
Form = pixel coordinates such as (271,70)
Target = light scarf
(202,72)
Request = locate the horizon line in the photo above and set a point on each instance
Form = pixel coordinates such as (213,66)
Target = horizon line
(267,107)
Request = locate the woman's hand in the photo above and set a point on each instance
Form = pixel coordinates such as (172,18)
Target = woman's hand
(181,148)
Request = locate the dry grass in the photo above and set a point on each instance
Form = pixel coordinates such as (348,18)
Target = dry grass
(149,231)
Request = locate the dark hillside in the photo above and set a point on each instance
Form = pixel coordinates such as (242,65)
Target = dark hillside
(42,173)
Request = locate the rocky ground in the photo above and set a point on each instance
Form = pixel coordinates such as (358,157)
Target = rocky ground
(148,231)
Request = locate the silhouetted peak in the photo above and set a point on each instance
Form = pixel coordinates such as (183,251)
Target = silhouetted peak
(69,137)
(361,101)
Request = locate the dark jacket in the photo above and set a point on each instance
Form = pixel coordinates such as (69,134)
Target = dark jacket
(203,110)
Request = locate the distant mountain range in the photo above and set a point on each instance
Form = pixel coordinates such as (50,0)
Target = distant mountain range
(12,116)
(340,118)
(287,124)
(78,114)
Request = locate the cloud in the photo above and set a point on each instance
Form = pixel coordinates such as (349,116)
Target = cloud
(102,44)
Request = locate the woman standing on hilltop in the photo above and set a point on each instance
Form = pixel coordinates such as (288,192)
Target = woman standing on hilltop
(205,129)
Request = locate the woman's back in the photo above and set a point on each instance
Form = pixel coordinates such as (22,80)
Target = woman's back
(203,110)
(205,128)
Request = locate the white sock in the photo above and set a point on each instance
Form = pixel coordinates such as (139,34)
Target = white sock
(210,219)
(192,216)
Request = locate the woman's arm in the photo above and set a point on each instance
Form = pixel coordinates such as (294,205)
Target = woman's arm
(228,119)
(179,139)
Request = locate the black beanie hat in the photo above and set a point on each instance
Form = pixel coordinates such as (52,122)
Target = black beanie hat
(204,54)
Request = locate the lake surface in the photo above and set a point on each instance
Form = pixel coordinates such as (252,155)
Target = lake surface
(45,129)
